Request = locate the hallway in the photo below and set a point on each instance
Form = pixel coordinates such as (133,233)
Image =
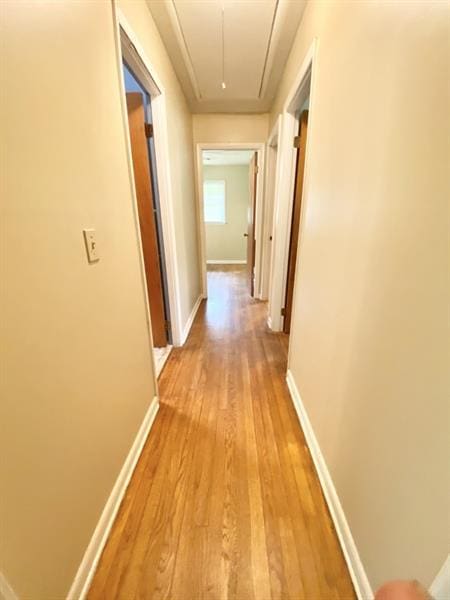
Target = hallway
(241,464)
(224,501)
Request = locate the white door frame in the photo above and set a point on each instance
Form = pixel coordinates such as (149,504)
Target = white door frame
(135,54)
(287,154)
(260,149)
(272,171)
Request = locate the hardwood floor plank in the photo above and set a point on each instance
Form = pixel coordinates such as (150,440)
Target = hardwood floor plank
(259,555)
(224,503)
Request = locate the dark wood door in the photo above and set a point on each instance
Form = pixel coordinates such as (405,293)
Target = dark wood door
(147,223)
(300,144)
(251,242)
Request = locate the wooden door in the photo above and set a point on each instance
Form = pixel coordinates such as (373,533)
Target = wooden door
(251,242)
(300,144)
(144,194)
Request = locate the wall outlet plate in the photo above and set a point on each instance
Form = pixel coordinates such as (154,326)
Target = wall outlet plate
(90,240)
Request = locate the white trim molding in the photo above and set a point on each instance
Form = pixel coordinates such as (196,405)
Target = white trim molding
(6,591)
(349,549)
(226,262)
(86,570)
(440,588)
(161,356)
(187,327)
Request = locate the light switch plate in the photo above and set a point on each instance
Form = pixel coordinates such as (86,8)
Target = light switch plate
(90,239)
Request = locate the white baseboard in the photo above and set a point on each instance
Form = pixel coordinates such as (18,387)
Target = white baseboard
(86,570)
(6,591)
(161,355)
(440,588)
(226,262)
(352,558)
(187,327)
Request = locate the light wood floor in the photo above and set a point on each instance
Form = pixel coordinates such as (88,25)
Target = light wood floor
(224,502)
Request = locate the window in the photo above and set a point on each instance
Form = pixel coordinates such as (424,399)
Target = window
(214,201)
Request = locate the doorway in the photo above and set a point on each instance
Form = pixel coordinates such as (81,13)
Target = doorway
(131,54)
(140,128)
(300,145)
(291,195)
(270,194)
(229,180)
(228,209)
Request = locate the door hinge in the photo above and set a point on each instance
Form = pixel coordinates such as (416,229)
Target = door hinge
(167,325)
(256,169)
(297,141)
(283,312)
(148,130)
(270,238)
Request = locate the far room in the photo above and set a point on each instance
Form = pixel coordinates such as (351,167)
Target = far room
(228,181)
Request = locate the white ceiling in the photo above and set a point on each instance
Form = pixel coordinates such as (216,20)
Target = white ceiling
(227,157)
(257,38)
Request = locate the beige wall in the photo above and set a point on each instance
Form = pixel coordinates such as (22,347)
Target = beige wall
(222,128)
(226,241)
(370,335)
(76,350)
(179,125)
